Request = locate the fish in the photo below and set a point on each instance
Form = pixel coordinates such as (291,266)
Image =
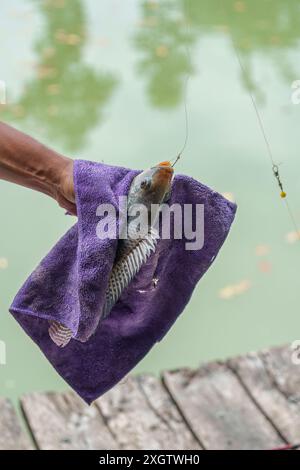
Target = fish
(149,189)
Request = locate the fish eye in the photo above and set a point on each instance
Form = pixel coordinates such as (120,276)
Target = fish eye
(146,183)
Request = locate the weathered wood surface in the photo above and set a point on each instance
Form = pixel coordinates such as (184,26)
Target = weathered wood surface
(273,382)
(12,435)
(219,410)
(63,421)
(141,415)
(249,402)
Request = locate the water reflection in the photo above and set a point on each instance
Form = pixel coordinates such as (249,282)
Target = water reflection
(66,97)
(163,40)
(269,27)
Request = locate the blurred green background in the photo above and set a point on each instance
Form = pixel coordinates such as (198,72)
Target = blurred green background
(104,81)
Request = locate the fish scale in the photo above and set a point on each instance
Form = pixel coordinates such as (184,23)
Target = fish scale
(60,334)
(127,267)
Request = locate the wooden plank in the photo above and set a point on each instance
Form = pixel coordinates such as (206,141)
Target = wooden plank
(12,435)
(141,415)
(161,402)
(273,382)
(63,421)
(219,410)
(285,374)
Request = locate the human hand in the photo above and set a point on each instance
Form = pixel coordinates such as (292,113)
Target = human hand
(64,192)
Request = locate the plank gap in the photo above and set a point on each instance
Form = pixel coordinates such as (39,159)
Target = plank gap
(28,427)
(256,403)
(183,417)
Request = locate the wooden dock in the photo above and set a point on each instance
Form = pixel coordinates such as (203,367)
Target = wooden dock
(249,402)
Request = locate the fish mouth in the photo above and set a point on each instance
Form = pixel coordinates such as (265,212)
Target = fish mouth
(165,165)
(163,175)
(166,169)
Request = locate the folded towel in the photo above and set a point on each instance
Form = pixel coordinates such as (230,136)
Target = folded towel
(69,285)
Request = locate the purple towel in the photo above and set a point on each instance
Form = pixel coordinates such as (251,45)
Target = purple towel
(69,284)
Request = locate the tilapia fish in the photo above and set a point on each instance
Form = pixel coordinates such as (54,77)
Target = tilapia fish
(150,189)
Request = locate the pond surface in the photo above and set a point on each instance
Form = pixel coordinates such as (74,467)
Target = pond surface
(104,81)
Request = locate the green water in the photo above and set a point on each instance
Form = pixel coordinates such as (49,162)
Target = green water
(104,81)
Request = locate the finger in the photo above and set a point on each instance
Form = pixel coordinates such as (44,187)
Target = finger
(68,205)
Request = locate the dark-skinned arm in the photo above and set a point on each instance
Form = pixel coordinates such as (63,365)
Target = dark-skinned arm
(26,162)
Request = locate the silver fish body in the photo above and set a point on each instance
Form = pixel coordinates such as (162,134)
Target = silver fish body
(126,268)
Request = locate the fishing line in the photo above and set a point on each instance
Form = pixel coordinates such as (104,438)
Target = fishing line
(176,160)
(185,91)
(186,120)
(275,168)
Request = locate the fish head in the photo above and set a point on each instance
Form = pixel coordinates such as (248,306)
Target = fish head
(152,186)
